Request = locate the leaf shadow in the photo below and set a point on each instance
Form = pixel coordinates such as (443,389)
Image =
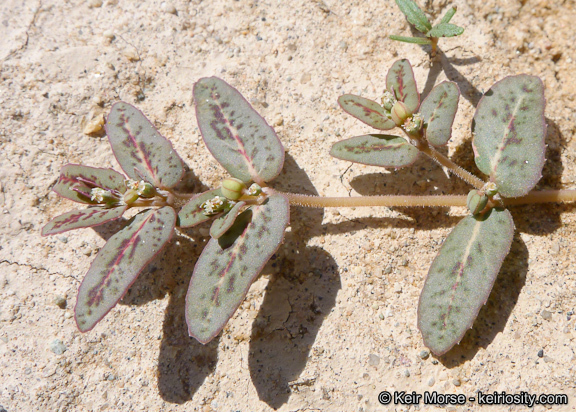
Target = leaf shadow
(494,315)
(296,301)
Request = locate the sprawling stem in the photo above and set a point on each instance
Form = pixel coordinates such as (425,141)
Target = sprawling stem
(543,196)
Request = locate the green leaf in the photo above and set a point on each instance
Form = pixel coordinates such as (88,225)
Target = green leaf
(461,278)
(77,181)
(366,111)
(192,214)
(448,16)
(376,150)
(445,30)
(76,219)
(400,82)
(509,131)
(222,223)
(415,40)
(414,14)
(142,152)
(119,263)
(236,135)
(438,111)
(222,276)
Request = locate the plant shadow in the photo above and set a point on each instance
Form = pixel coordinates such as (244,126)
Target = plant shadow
(296,301)
(494,315)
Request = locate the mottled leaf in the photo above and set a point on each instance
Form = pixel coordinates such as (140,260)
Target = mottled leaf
(438,111)
(445,30)
(192,214)
(448,16)
(77,219)
(222,276)
(222,223)
(509,131)
(77,181)
(461,278)
(376,150)
(236,135)
(415,40)
(414,15)
(366,111)
(119,263)
(400,82)
(142,152)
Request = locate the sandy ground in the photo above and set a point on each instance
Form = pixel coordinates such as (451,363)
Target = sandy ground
(332,322)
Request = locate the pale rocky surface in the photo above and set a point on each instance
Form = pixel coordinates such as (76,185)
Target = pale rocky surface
(332,322)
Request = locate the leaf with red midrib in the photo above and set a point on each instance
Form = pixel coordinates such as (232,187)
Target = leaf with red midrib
(228,266)
(376,150)
(119,263)
(77,219)
(366,111)
(142,152)
(77,181)
(438,111)
(401,83)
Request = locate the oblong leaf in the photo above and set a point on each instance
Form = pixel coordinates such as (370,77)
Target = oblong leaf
(222,223)
(77,181)
(414,40)
(376,150)
(461,278)
(449,14)
(192,214)
(142,152)
(414,15)
(222,276)
(400,82)
(77,219)
(438,111)
(509,131)
(445,30)
(236,135)
(119,263)
(366,111)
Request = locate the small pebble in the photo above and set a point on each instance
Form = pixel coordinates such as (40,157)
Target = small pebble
(60,301)
(373,360)
(407,373)
(306,77)
(95,125)
(431,381)
(95,3)
(541,353)
(169,8)
(57,347)
(387,270)
(424,354)
(2,409)
(109,34)
(547,315)
(456,382)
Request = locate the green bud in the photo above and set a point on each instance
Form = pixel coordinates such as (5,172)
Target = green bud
(130,196)
(388,100)
(400,113)
(414,124)
(233,188)
(476,202)
(254,190)
(145,189)
(490,189)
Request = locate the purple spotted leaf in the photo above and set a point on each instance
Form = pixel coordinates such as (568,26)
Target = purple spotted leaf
(119,263)
(192,214)
(236,135)
(228,266)
(77,181)
(401,83)
(509,131)
(222,223)
(142,152)
(77,219)
(376,150)
(461,278)
(438,111)
(366,111)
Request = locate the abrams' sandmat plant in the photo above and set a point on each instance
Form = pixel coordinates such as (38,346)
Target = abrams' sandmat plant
(418,19)
(249,217)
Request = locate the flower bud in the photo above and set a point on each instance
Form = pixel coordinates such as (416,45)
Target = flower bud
(130,196)
(490,189)
(400,113)
(232,188)
(475,202)
(145,189)
(388,100)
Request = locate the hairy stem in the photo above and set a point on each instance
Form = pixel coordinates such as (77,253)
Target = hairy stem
(543,196)
(453,167)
